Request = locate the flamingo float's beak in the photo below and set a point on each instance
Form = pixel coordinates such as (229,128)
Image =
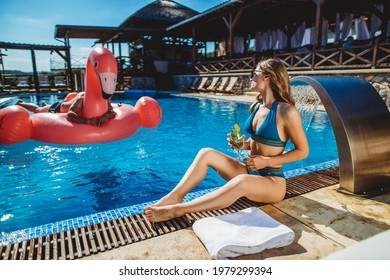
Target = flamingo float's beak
(108,83)
(106,67)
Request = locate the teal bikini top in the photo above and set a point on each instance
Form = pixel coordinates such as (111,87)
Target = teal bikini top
(267,133)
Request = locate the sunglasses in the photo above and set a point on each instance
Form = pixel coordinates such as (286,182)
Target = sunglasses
(257,72)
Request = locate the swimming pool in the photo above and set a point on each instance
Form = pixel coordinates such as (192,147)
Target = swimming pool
(45,183)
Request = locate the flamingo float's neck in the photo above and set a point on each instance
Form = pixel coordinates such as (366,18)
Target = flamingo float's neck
(100,81)
(94,103)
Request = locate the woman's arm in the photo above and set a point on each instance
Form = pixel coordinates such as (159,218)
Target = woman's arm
(74,111)
(73,114)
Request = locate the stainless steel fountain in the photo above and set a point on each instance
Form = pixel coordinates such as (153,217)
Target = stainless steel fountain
(361,125)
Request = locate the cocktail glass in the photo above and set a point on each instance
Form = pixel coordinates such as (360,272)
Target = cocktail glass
(236,140)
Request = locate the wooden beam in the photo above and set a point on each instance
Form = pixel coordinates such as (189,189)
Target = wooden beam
(225,21)
(237,17)
(18,46)
(61,55)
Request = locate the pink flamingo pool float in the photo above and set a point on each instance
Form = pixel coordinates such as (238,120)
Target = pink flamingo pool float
(17,125)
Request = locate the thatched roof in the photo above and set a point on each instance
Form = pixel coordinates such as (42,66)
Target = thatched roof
(160,13)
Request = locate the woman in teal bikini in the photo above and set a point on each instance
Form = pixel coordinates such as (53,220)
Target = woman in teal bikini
(273,121)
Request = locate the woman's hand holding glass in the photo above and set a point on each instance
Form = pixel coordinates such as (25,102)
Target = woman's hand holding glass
(236,142)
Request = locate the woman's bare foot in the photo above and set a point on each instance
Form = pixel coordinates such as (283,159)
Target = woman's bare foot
(19,101)
(44,104)
(159,214)
(168,200)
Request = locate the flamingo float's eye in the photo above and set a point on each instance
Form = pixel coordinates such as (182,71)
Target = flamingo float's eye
(96,64)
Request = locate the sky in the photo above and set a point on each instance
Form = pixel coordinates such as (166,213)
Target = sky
(33,22)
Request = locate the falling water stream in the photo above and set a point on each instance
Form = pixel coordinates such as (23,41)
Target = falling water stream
(307,102)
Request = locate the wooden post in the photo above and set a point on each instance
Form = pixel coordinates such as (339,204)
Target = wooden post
(69,76)
(2,68)
(287,31)
(68,70)
(173,53)
(34,65)
(386,18)
(194,50)
(337,28)
(120,62)
(318,27)
(290,32)
(231,41)
(231,24)
(373,63)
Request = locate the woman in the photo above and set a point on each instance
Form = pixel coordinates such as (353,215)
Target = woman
(73,109)
(273,120)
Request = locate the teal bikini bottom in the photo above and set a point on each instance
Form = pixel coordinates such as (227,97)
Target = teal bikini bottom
(268,171)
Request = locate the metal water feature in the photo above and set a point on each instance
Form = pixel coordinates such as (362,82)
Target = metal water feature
(361,124)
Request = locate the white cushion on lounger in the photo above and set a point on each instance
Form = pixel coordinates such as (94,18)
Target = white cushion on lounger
(248,231)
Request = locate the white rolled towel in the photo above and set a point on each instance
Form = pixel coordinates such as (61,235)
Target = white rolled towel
(248,231)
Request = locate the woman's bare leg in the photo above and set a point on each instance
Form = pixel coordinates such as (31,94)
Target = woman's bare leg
(226,166)
(257,188)
(33,107)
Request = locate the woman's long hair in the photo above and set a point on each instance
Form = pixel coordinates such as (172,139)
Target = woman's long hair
(279,81)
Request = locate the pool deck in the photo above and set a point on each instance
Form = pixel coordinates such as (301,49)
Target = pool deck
(324,221)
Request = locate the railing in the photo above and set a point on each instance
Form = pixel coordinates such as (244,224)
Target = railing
(76,62)
(355,57)
(229,65)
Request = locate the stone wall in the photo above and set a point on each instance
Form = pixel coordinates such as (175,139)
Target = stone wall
(143,83)
(382,84)
(183,82)
(379,79)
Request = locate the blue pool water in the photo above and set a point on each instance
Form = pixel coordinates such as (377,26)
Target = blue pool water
(44,183)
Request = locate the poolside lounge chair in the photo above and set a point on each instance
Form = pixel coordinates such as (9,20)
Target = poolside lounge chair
(202,84)
(211,86)
(232,86)
(23,83)
(44,82)
(59,82)
(223,83)
(193,83)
